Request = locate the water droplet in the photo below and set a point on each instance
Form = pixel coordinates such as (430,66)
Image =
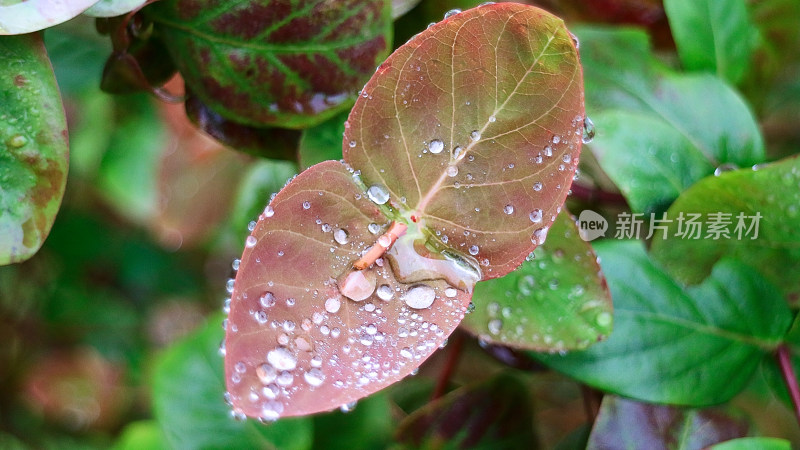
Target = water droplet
(407,353)
(17,141)
(475,135)
(495,326)
(603,319)
(575,40)
(332,305)
(282,359)
(566,158)
(548,151)
(306,205)
(314,377)
(452,171)
(556,139)
(492,119)
(420,296)
(726,167)
(235,264)
(374,228)
(347,407)
(508,209)
(352,144)
(458,153)
(450,292)
(267,300)
(385,292)
(451,13)
(268,211)
(251,225)
(537,186)
(266,373)
(540,235)
(526,284)
(261,317)
(473,250)
(536,215)
(588,130)
(250,241)
(285,379)
(358,285)
(378,194)
(341,236)
(436,146)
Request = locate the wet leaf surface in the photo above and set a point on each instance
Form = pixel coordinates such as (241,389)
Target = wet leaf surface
(624,424)
(20,17)
(771,192)
(655,322)
(491,415)
(35,152)
(275,62)
(295,344)
(187,395)
(753,443)
(480,114)
(557,300)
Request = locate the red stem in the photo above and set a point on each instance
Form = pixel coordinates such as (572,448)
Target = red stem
(594,195)
(396,230)
(789,377)
(449,366)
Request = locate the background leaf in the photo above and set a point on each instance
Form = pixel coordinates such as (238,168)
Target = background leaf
(557,300)
(623,424)
(187,393)
(713,35)
(34,163)
(296,66)
(655,322)
(773,191)
(753,443)
(322,142)
(494,414)
(474,128)
(20,17)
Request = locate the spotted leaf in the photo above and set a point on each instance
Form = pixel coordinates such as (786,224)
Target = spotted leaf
(292,63)
(474,128)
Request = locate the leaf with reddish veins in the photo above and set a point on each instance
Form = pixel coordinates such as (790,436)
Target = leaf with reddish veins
(475,127)
(294,344)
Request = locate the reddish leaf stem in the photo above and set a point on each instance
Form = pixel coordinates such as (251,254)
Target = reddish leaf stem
(789,377)
(449,366)
(385,242)
(595,195)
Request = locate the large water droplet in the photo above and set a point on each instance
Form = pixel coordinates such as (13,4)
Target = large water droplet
(588,130)
(536,215)
(358,285)
(537,186)
(314,377)
(268,211)
(378,194)
(250,241)
(420,296)
(508,209)
(436,146)
(452,171)
(385,292)
(332,305)
(282,359)
(475,135)
(341,236)
(267,300)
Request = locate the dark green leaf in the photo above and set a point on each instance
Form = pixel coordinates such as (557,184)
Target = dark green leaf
(322,142)
(262,180)
(368,426)
(771,192)
(492,415)
(753,443)
(188,388)
(656,322)
(713,35)
(268,62)
(627,424)
(557,299)
(33,139)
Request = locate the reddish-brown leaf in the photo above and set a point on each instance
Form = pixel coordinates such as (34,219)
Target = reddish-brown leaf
(474,128)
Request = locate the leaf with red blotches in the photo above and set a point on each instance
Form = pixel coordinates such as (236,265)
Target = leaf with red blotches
(282,63)
(474,128)
(352,278)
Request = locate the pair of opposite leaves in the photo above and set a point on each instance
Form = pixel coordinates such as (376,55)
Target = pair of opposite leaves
(464,145)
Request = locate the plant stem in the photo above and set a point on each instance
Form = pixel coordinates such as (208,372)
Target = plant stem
(595,195)
(789,377)
(449,366)
(385,242)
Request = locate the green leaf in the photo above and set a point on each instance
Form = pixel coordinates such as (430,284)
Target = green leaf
(753,443)
(771,192)
(141,435)
(323,142)
(650,161)
(713,35)
(495,414)
(26,16)
(35,152)
(656,322)
(557,300)
(261,180)
(369,426)
(265,62)
(188,388)
(474,129)
(625,424)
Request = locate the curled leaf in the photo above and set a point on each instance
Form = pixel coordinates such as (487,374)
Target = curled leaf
(26,16)
(474,129)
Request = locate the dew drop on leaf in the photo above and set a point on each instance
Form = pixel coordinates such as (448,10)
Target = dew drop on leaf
(374,228)
(341,236)
(475,135)
(282,359)
(306,205)
(473,250)
(314,377)
(358,285)
(452,171)
(536,215)
(537,186)
(250,241)
(267,300)
(268,211)
(378,194)
(385,292)
(451,13)
(332,305)
(588,130)
(495,326)
(508,209)
(436,146)
(266,373)
(420,296)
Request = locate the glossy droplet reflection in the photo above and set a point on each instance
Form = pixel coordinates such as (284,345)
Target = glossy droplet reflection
(378,194)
